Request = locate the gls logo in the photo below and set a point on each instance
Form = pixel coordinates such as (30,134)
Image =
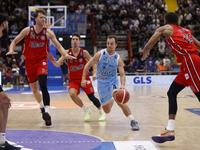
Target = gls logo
(142,80)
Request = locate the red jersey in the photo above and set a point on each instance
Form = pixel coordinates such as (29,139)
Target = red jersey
(76,66)
(181,42)
(36,45)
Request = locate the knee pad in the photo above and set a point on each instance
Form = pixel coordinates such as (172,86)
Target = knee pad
(95,101)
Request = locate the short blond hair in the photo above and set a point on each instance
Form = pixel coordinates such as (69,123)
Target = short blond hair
(37,11)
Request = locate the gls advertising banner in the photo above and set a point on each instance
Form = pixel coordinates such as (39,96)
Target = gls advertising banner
(150,80)
(156,80)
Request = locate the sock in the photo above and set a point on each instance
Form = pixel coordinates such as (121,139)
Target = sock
(2,138)
(170,125)
(130,117)
(101,110)
(47,109)
(41,104)
(84,108)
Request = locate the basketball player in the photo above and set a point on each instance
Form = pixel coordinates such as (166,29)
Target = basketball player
(184,46)
(36,50)
(108,61)
(4,100)
(75,75)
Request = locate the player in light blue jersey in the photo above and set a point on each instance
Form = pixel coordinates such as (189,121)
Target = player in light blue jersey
(108,61)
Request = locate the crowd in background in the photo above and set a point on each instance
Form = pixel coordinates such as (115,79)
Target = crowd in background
(141,17)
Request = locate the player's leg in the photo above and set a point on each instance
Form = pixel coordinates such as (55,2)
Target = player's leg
(35,89)
(168,133)
(4,105)
(89,90)
(107,106)
(46,98)
(73,92)
(96,102)
(127,112)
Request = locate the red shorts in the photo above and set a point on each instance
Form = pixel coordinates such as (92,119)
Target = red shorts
(35,68)
(76,84)
(190,73)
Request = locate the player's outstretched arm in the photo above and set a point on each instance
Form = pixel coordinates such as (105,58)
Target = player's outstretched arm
(91,62)
(59,47)
(152,41)
(53,60)
(18,38)
(122,73)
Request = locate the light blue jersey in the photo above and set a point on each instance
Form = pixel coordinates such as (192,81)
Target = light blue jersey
(107,75)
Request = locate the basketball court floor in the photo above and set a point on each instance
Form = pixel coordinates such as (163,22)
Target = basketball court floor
(148,104)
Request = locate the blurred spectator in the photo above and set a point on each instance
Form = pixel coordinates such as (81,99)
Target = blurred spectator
(136,22)
(126,63)
(110,14)
(174,66)
(161,67)
(132,65)
(15,74)
(98,29)
(14,27)
(105,27)
(197,30)
(161,48)
(125,24)
(150,67)
(150,59)
(8,78)
(155,26)
(188,17)
(166,61)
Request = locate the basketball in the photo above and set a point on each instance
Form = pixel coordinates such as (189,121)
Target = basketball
(122,96)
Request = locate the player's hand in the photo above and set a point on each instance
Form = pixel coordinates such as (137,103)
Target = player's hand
(145,55)
(68,56)
(94,77)
(122,87)
(11,53)
(83,83)
(51,58)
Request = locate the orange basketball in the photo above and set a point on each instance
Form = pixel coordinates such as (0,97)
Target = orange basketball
(122,96)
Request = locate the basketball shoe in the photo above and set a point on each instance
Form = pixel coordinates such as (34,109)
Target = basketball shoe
(134,125)
(102,116)
(87,114)
(166,135)
(46,117)
(7,146)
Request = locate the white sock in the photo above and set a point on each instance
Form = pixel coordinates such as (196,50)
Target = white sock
(2,138)
(84,108)
(101,110)
(47,109)
(41,104)
(130,117)
(170,125)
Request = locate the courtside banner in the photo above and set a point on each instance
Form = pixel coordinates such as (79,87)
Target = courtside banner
(146,80)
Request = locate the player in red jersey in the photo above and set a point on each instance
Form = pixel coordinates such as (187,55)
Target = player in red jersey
(36,50)
(75,75)
(184,46)
(4,100)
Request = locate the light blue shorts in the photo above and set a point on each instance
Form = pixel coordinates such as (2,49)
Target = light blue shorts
(105,90)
